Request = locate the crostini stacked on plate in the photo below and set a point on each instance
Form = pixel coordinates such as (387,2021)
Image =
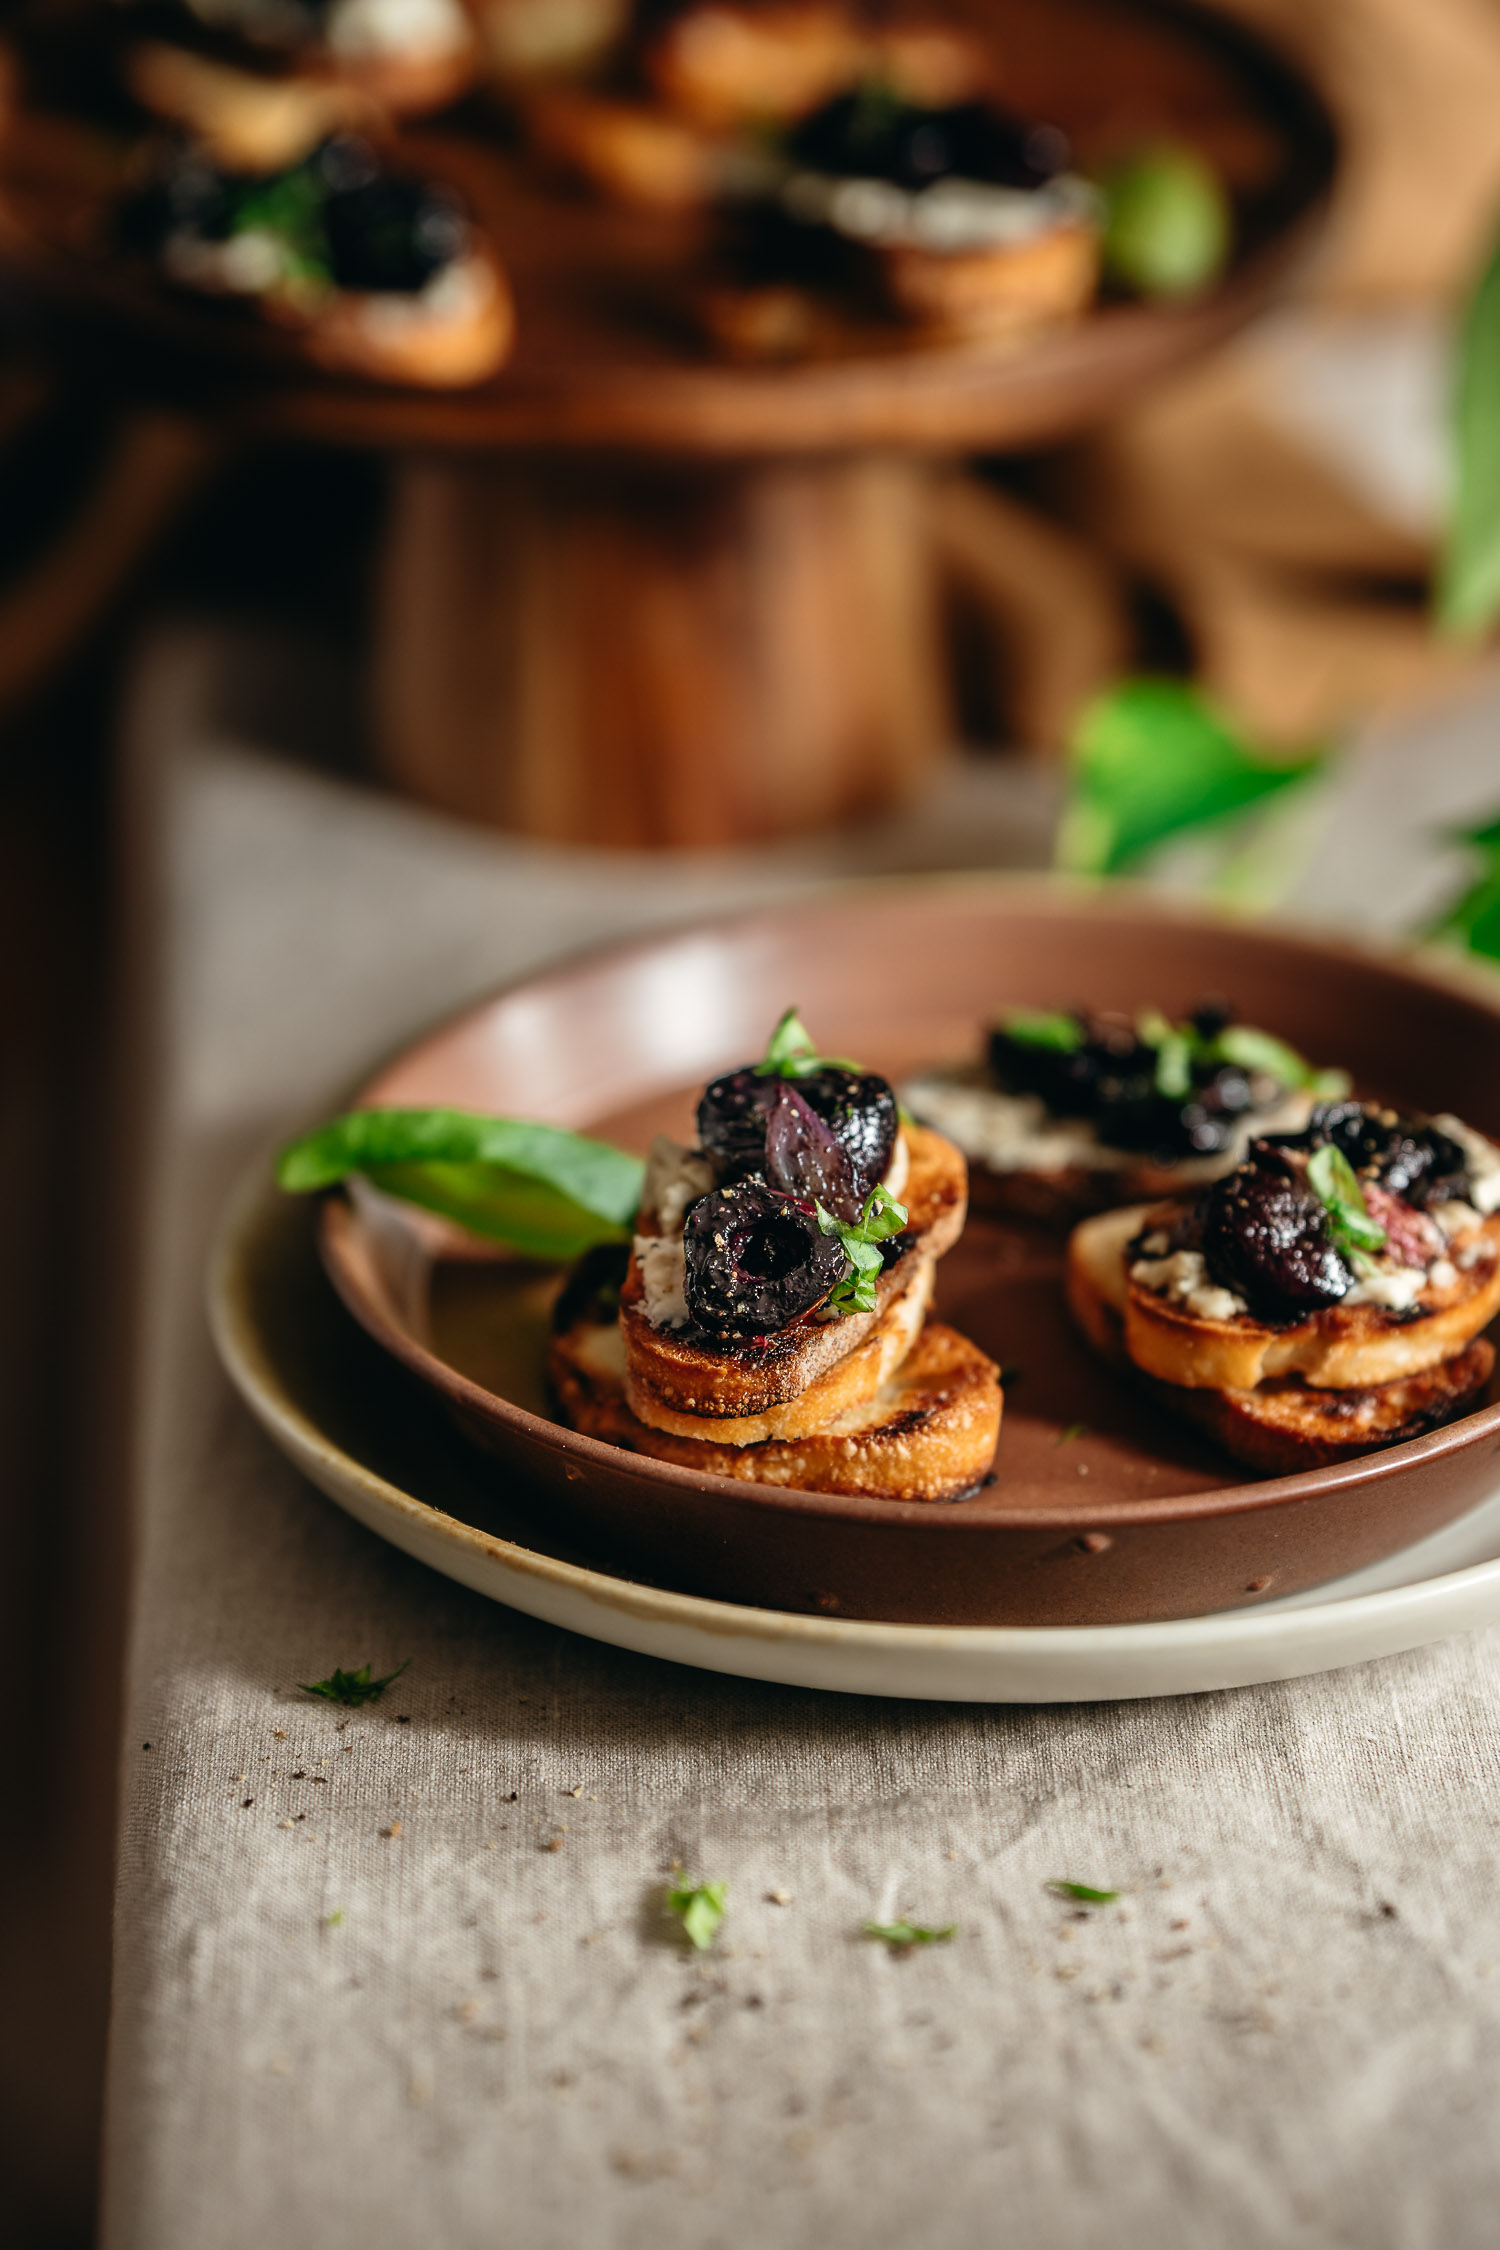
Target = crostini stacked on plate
(1324,1298)
(771,1321)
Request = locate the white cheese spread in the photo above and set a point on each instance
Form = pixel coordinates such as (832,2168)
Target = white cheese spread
(1182,1278)
(1394,1288)
(953,215)
(1017,1132)
(663,1279)
(675,1178)
(1482,1158)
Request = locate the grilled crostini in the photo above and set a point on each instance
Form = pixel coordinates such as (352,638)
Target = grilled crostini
(1324,1298)
(771,1308)
(1079,1110)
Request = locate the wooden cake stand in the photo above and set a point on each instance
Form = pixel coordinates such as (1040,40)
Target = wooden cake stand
(633,595)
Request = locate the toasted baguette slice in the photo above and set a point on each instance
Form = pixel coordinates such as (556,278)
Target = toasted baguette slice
(849,1385)
(1284,1426)
(1345,1347)
(928,1433)
(1004,290)
(684,1372)
(455,332)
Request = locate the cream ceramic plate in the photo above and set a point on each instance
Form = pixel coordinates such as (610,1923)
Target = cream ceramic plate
(387,1455)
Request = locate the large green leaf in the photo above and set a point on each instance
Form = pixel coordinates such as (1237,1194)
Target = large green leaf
(1468,589)
(1474,918)
(1151,758)
(542,1189)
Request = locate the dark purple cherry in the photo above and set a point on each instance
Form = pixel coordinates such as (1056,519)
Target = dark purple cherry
(756,1261)
(806,1158)
(1266,1237)
(858,1107)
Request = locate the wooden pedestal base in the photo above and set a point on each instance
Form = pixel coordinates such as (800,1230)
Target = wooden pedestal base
(655,654)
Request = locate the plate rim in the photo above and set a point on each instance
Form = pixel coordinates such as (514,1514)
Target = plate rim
(1425,967)
(1422,1609)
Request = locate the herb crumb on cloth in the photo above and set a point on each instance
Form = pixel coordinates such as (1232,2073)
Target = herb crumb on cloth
(903,1936)
(353,1688)
(699,1907)
(1085,1893)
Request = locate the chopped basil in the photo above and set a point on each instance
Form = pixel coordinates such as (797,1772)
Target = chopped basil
(1083,1892)
(1174,1066)
(1332,1179)
(902,1936)
(882,1216)
(790,1052)
(1044,1027)
(700,1908)
(1073,1430)
(352,1688)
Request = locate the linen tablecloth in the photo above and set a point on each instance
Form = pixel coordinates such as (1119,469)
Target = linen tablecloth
(402,1977)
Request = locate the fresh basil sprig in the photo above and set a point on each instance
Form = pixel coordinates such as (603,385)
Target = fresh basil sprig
(1351,1229)
(1151,759)
(790,1052)
(1044,1027)
(882,1216)
(1474,917)
(544,1190)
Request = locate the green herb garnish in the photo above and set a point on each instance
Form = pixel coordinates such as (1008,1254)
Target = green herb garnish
(882,1217)
(1083,1892)
(902,1936)
(1044,1027)
(1468,587)
(790,1052)
(289,209)
(352,1688)
(1167,223)
(1073,1430)
(700,1908)
(1174,1065)
(544,1190)
(1151,759)
(1474,918)
(1351,1229)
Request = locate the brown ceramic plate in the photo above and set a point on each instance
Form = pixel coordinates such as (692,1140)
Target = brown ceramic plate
(1103,1511)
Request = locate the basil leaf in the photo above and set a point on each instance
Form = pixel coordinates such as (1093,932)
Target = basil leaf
(1150,759)
(1084,1892)
(1043,1027)
(1166,223)
(1474,918)
(902,1936)
(700,1907)
(1468,587)
(882,1216)
(1332,1179)
(790,1052)
(542,1189)
(1174,1066)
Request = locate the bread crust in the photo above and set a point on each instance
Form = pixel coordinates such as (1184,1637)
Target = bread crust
(751,1376)
(1285,1426)
(846,1387)
(1005,289)
(928,1434)
(433,350)
(1344,1347)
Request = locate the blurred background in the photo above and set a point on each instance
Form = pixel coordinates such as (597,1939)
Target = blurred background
(681,553)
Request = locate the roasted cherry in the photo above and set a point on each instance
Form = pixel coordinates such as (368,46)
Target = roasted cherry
(1265,1236)
(868,136)
(1406,1156)
(756,1260)
(857,1106)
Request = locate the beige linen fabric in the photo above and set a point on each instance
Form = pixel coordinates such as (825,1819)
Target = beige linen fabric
(363,2001)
